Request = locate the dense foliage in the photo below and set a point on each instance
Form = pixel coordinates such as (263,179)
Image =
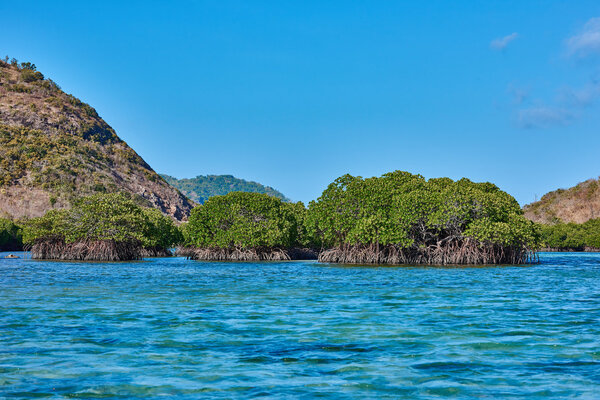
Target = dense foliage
(244,220)
(571,236)
(10,235)
(160,233)
(115,218)
(55,162)
(412,219)
(201,188)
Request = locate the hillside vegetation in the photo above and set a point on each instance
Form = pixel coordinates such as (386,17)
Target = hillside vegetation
(55,148)
(202,187)
(577,204)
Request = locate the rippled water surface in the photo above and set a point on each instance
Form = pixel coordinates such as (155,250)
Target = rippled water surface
(172,327)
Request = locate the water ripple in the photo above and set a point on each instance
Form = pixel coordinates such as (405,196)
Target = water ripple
(172,327)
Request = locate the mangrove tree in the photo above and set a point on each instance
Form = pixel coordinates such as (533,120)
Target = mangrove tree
(101,227)
(571,236)
(10,235)
(247,227)
(401,218)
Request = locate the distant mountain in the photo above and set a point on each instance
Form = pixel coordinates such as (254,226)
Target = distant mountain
(54,148)
(577,204)
(200,188)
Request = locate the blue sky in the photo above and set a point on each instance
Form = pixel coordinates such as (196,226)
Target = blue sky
(295,94)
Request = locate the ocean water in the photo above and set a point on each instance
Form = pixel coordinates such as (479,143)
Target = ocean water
(188,329)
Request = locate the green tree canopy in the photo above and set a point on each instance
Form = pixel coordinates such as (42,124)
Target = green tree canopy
(245,220)
(160,232)
(571,236)
(407,211)
(113,216)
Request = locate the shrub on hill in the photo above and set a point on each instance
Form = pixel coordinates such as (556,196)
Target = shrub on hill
(401,218)
(29,75)
(101,227)
(246,226)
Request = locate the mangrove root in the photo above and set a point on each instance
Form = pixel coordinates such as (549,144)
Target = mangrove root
(457,252)
(253,254)
(97,250)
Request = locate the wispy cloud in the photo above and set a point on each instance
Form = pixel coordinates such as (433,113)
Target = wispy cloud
(543,117)
(580,97)
(501,43)
(569,102)
(587,42)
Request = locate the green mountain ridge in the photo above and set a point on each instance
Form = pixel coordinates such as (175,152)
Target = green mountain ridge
(55,148)
(202,187)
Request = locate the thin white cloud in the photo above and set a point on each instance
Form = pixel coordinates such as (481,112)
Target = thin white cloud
(501,43)
(543,117)
(580,97)
(587,42)
(569,103)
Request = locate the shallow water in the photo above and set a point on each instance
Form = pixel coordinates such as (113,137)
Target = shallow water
(299,330)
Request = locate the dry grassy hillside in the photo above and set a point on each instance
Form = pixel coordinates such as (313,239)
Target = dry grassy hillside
(577,204)
(54,147)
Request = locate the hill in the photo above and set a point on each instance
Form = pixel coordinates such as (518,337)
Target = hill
(577,204)
(54,148)
(200,188)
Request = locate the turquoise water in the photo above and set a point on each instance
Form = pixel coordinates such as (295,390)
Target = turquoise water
(172,327)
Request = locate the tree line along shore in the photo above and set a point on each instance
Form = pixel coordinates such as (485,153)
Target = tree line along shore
(398,218)
(59,157)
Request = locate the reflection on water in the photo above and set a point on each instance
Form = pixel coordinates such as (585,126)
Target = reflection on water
(299,330)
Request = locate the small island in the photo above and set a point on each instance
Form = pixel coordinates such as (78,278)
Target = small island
(244,226)
(102,227)
(401,218)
